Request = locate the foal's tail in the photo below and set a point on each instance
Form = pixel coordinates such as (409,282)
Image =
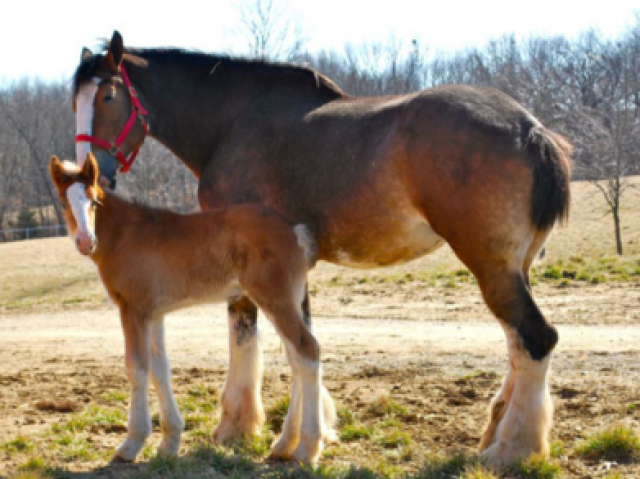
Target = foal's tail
(550,156)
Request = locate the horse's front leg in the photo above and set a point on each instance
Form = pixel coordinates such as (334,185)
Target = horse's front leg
(170,420)
(242,410)
(136,335)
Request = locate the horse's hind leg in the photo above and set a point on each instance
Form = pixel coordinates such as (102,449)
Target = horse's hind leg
(242,411)
(503,398)
(522,412)
(170,420)
(328,407)
(136,334)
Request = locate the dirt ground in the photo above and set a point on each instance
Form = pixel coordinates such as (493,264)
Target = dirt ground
(438,353)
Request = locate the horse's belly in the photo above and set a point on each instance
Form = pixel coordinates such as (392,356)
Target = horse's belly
(376,247)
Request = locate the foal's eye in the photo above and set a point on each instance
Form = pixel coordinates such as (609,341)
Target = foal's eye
(108,98)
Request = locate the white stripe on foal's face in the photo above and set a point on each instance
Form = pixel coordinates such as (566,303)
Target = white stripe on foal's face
(84,117)
(81,208)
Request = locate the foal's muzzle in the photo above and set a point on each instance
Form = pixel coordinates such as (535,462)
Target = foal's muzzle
(86,243)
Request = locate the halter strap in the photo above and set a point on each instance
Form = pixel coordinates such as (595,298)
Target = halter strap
(138,112)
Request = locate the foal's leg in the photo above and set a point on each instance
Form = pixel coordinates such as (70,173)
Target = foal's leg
(242,411)
(303,352)
(136,335)
(285,445)
(170,420)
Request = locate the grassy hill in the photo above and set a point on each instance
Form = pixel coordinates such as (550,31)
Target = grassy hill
(49,274)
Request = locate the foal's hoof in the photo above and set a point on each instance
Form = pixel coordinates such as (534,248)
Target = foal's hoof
(331,437)
(119,459)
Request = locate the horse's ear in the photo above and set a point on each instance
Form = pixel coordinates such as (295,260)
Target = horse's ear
(91,170)
(86,53)
(116,51)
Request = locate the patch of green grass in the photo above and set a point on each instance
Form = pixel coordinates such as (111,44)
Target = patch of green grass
(77,449)
(93,417)
(20,444)
(389,422)
(393,439)
(385,406)
(354,432)
(617,444)
(538,467)
(201,391)
(558,449)
(114,396)
(276,414)
(552,272)
(197,400)
(254,446)
(37,468)
(438,466)
(195,421)
(345,417)
(593,270)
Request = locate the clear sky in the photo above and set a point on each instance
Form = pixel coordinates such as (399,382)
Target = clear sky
(44,38)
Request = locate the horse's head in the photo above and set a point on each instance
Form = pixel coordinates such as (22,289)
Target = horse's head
(79,192)
(109,118)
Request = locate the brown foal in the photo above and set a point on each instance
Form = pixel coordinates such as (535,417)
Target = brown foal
(153,261)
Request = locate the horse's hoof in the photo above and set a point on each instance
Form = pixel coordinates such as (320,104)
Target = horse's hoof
(308,450)
(283,447)
(279,456)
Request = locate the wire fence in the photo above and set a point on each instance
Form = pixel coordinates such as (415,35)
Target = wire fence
(22,234)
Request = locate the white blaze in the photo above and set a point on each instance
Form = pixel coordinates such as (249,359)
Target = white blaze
(80,206)
(84,117)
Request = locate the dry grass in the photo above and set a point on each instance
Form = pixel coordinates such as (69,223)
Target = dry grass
(49,274)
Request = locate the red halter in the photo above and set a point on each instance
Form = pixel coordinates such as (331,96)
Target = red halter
(114,148)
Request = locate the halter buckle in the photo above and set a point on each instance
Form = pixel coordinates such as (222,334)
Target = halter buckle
(113,151)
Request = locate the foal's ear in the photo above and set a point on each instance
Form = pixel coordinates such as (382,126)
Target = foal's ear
(91,170)
(56,170)
(115,52)
(86,53)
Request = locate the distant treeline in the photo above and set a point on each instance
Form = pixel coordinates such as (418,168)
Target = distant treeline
(587,88)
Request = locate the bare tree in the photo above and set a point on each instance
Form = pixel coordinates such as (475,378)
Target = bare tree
(601,115)
(269,30)
(39,118)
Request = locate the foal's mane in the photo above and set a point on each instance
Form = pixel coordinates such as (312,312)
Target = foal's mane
(209,61)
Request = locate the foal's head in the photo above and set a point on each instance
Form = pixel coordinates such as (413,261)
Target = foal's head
(79,192)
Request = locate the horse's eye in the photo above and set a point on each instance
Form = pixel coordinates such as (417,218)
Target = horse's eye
(108,98)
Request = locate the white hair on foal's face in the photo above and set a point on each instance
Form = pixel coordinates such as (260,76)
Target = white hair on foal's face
(84,117)
(80,204)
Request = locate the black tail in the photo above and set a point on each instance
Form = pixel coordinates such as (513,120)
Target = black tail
(550,157)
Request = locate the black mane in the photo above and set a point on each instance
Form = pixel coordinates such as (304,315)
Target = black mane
(87,68)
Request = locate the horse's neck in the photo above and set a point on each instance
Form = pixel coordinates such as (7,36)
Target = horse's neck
(191,111)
